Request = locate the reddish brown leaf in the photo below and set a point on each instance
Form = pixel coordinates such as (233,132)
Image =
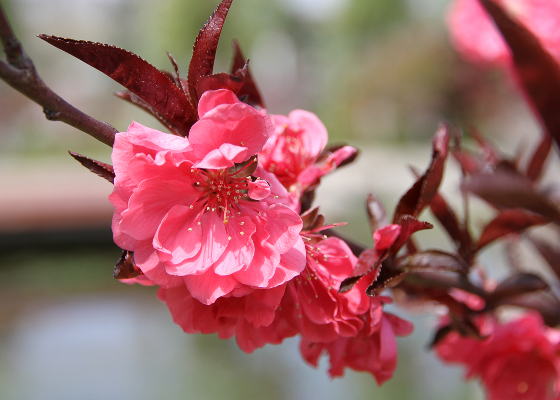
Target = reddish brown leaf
(515,285)
(387,278)
(432,261)
(511,190)
(125,267)
(249,89)
(534,169)
(137,75)
(97,167)
(537,70)
(421,193)
(508,221)
(373,270)
(550,253)
(137,101)
(409,225)
(204,50)
(445,215)
(377,215)
(232,82)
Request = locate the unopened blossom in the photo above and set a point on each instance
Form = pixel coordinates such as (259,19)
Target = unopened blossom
(199,212)
(476,37)
(519,360)
(292,152)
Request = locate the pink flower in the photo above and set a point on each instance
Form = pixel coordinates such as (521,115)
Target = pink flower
(373,349)
(292,152)
(195,212)
(319,312)
(519,360)
(475,36)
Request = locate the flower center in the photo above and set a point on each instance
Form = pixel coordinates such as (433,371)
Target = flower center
(224,188)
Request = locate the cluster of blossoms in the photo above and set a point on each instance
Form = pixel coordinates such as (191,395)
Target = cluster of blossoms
(218,214)
(517,360)
(213,220)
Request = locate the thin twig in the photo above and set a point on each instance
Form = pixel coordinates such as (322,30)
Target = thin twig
(19,72)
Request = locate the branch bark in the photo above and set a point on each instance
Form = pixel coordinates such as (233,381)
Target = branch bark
(19,72)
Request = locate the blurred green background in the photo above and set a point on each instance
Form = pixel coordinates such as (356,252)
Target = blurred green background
(379,73)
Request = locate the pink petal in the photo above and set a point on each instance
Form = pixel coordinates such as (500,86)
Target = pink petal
(386,236)
(240,249)
(214,242)
(259,189)
(141,135)
(146,258)
(149,203)
(213,98)
(208,286)
(179,236)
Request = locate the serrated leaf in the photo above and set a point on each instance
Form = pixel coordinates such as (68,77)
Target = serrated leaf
(409,225)
(137,75)
(550,253)
(137,101)
(377,216)
(232,82)
(515,285)
(432,261)
(537,70)
(535,167)
(421,193)
(204,49)
(448,219)
(125,267)
(387,278)
(97,167)
(249,88)
(508,221)
(511,190)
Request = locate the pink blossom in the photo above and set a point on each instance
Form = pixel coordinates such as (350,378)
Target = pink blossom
(195,212)
(373,349)
(519,360)
(475,36)
(319,312)
(293,150)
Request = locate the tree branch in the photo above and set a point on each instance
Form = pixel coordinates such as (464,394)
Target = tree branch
(19,72)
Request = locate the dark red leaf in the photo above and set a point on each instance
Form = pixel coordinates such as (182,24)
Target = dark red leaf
(177,77)
(373,270)
(221,81)
(137,75)
(125,267)
(421,193)
(440,334)
(537,70)
(377,215)
(137,101)
(409,225)
(204,49)
(387,278)
(515,285)
(534,169)
(550,253)
(450,223)
(97,167)
(511,190)
(432,261)
(508,221)
(249,89)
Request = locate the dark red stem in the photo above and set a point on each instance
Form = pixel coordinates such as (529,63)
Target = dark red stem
(19,72)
